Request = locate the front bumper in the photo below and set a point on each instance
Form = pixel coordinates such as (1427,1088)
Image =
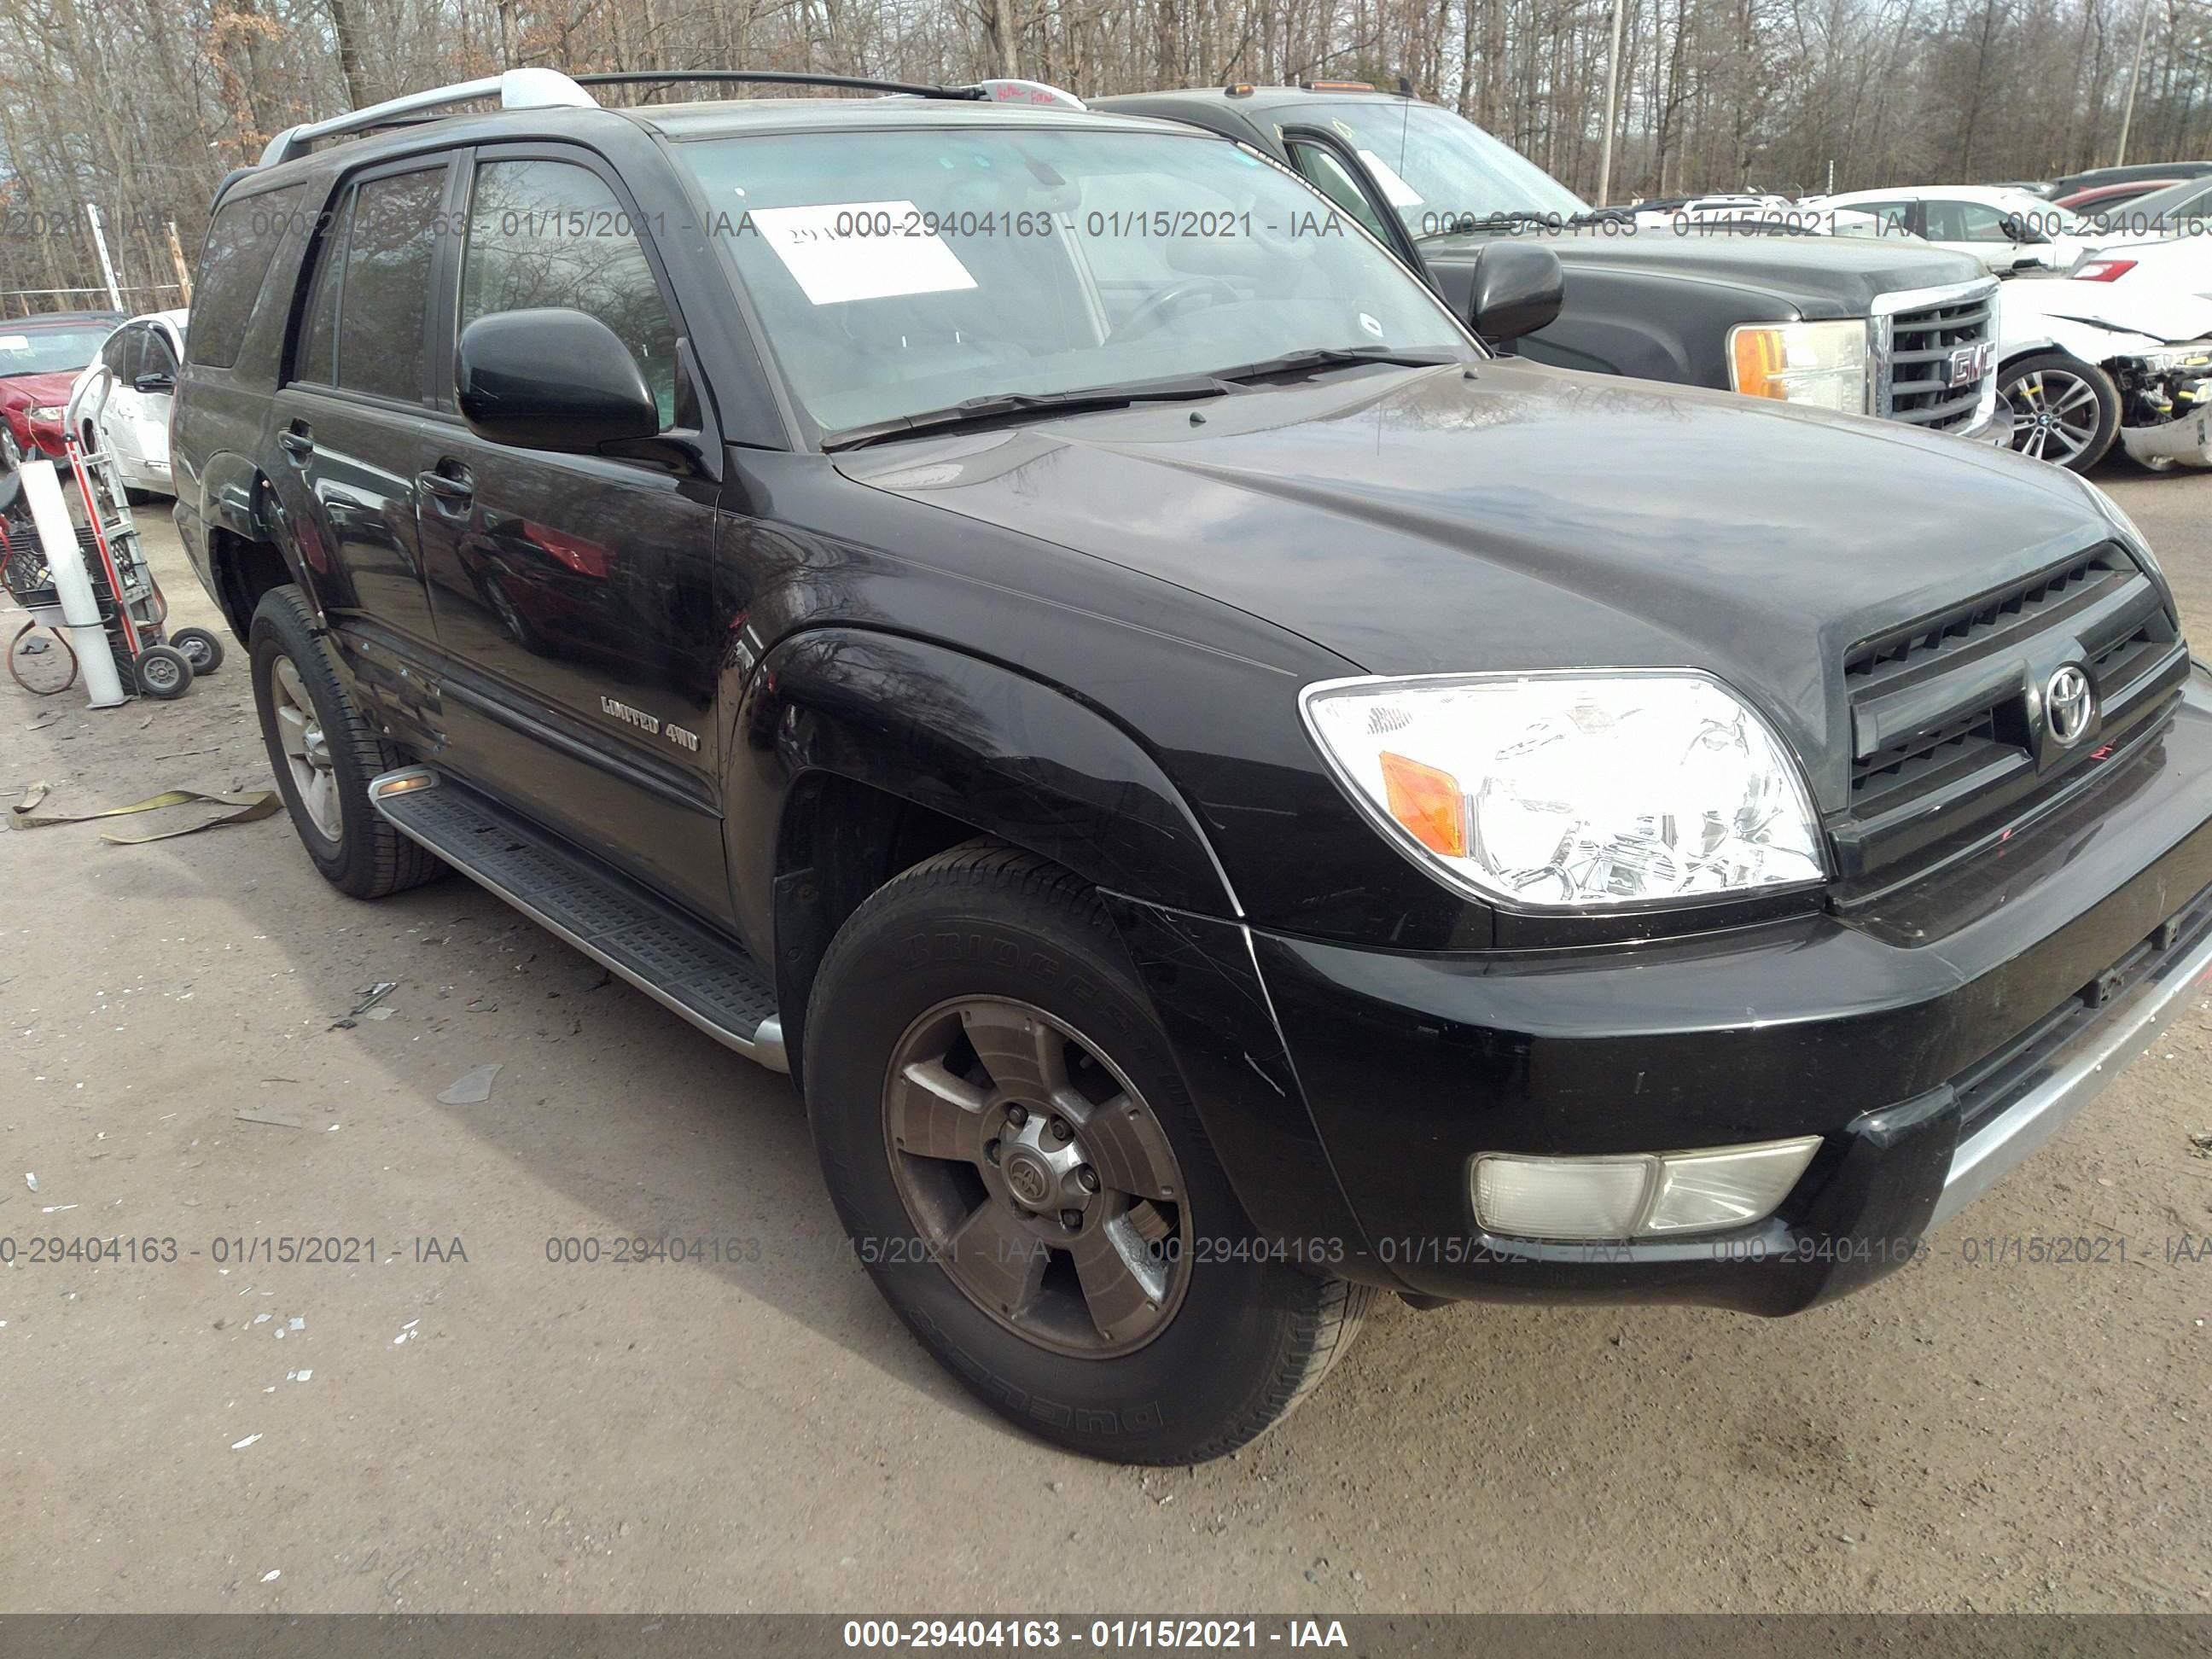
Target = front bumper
(1932,1040)
(1995,427)
(2185,443)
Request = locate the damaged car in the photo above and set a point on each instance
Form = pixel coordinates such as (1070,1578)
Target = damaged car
(2087,364)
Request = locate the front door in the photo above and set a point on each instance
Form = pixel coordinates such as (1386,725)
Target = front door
(574,594)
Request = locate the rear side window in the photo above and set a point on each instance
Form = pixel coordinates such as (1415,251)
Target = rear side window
(242,241)
(551,233)
(384,304)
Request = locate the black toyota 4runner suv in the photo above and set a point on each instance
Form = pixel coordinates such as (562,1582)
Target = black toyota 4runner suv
(1225,796)
(1885,325)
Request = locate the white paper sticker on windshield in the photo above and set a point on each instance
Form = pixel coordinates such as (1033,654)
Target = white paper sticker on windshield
(844,251)
(1396,190)
(14,343)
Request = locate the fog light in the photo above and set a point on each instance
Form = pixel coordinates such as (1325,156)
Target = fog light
(1636,1195)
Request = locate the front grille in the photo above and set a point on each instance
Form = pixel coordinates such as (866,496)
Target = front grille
(1947,741)
(1922,341)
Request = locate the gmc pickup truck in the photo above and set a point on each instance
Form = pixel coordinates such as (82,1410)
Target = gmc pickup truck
(1887,326)
(1226,797)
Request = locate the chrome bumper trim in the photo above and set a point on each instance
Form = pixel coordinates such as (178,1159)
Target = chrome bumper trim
(2074,1076)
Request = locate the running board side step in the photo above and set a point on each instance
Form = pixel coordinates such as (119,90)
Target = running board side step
(688,969)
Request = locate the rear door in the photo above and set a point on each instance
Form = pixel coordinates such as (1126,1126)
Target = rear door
(348,423)
(574,595)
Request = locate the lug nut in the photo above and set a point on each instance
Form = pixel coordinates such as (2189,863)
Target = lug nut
(1071,1220)
(1018,1115)
(1086,1177)
(1061,1130)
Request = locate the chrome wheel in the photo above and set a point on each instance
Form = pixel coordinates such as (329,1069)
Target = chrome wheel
(1036,1177)
(2056,416)
(300,733)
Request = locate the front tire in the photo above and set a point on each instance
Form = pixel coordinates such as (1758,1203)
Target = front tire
(324,752)
(2063,410)
(1010,1146)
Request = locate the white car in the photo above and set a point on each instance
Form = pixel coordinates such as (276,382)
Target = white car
(120,402)
(2182,263)
(2007,230)
(2083,364)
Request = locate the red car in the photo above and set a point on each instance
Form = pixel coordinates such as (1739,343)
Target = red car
(39,358)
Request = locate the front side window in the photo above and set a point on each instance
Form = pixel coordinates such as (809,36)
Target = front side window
(120,355)
(1327,174)
(1442,174)
(159,358)
(1966,221)
(551,233)
(384,304)
(902,271)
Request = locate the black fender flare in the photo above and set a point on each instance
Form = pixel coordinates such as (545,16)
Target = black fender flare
(235,500)
(978,742)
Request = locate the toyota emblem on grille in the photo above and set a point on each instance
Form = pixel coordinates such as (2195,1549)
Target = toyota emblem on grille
(2069,704)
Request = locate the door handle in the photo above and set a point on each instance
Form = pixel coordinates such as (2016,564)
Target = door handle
(297,442)
(450,484)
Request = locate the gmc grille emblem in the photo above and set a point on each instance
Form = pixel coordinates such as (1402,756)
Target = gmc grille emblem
(1969,363)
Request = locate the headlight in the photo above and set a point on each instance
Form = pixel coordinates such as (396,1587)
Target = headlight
(44,411)
(1573,790)
(2168,362)
(1823,365)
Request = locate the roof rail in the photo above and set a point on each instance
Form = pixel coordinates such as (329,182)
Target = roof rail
(774,77)
(518,88)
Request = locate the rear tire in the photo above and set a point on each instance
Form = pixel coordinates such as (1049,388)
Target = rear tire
(972,971)
(323,753)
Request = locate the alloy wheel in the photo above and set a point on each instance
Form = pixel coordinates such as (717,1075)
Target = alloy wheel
(1036,1177)
(300,733)
(2056,414)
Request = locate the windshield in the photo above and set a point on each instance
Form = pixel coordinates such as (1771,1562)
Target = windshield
(900,272)
(49,351)
(1443,175)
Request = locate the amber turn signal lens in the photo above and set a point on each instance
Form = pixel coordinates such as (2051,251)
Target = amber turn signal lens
(1760,358)
(1428,803)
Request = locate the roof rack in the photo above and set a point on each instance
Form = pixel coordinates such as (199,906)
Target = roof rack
(776,77)
(518,88)
(545,88)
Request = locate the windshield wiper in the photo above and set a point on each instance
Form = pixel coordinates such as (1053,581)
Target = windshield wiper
(1334,357)
(1011,405)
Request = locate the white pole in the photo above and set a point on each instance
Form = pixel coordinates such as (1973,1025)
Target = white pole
(107,265)
(1612,109)
(2127,109)
(42,494)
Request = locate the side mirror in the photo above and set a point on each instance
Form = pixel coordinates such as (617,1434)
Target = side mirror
(151,383)
(551,379)
(1518,288)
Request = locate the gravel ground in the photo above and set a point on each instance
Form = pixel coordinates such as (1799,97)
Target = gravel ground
(459,1423)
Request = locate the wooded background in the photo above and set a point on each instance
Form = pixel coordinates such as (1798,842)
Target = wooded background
(140,105)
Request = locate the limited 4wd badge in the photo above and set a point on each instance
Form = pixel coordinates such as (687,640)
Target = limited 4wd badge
(652,723)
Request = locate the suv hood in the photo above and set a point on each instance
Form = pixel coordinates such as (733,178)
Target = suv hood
(1823,276)
(1516,516)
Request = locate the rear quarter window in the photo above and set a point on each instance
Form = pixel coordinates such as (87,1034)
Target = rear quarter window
(241,243)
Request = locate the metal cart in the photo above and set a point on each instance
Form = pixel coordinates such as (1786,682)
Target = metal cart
(149,658)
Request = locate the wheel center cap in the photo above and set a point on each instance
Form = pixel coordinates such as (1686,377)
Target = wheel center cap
(1027,1177)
